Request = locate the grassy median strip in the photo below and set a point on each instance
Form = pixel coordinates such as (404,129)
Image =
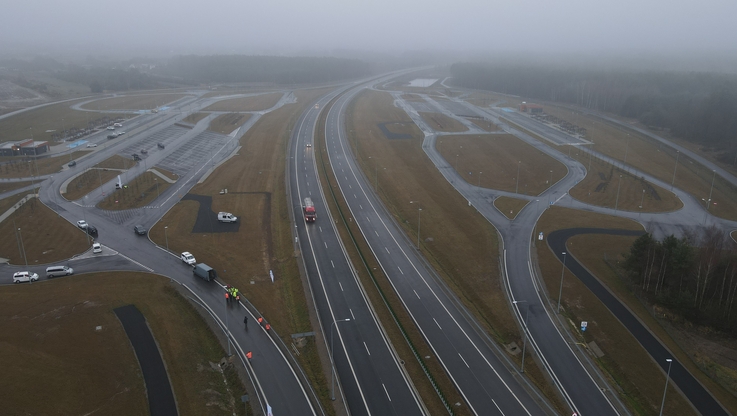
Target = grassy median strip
(510,207)
(44,236)
(133,102)
(139,192)
(251,103)
(257,195)
(460,244)
(226,123)
(61,337)
(441,122)
(90,180)
(22,167)
(494,160)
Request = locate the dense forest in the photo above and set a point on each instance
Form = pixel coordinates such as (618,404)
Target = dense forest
(110,79)
(697,106)
(696,275)
(276,69)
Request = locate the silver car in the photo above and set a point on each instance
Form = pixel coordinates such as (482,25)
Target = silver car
(20,277)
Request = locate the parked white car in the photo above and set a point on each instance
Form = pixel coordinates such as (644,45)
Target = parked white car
(20,277)
(226,217)
(91,144)
(188,258)
(82,224)
(96,248)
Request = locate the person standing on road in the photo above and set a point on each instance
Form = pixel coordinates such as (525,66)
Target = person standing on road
(245,321)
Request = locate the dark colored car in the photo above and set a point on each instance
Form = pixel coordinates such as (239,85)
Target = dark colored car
(140,229)
(136,157)
(161,145)
(91,230)
(72,163)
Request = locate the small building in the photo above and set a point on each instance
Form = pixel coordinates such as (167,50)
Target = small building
(531,108)
(24,147)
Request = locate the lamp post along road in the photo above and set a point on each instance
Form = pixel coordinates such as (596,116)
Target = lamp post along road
(667,378)
(332,361)
(166,236)
(516,187)
(678,154)
(562,273)
(616,203)
(712,188)
(524,329)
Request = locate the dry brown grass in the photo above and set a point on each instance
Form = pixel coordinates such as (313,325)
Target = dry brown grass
(510,207)
(441,122)
(484,124)
(170,175)
(7,203)
(602,185)
(37,122)
(87,182)
(499,156)
(140,192)
(657,160)
(257,194)
(226,123)
(133,102)
(252,103)
(49,345)
(194,118)
(46,236)
(11,186)
(455,238)
(117,162)
(27,167)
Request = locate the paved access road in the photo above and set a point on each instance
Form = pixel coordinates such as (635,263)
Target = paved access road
(579,382)
(694,391)
(372,379)
(470,358)
(280,385)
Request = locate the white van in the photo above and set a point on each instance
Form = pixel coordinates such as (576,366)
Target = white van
(54,271)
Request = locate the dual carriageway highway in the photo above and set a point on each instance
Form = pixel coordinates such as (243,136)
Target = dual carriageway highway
(372,378)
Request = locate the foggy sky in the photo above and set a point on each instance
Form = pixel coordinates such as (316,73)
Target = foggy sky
(288,26)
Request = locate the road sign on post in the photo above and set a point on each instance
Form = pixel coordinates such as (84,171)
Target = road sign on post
(584,324)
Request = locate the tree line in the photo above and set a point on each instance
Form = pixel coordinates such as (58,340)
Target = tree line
(696,106)
(273,69)
(695,276)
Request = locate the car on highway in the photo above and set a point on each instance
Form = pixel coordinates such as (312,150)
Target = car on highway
(139,229)
(82,224)
(188,258)
(73,163)
(136,157)
(91,230)
(19,277)
(110,128)
(161,145)
(121,133)
(112,136)
(144,151)
(96,248)
(117,125)
(53,271)
(309,144)
(91,144)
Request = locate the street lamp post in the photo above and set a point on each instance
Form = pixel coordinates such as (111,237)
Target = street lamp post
(562,273)
(516,187)
(712,188)
(642,201)
(524,328)
(616,203)
(667,378)
(551,178)
(678,154)
(332,361)
(23,247)
(626,148)
(166,236)
(156,180)
(479,184)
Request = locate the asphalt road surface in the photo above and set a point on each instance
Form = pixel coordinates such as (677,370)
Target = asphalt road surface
(488,384)
(372,378)
(695,392)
